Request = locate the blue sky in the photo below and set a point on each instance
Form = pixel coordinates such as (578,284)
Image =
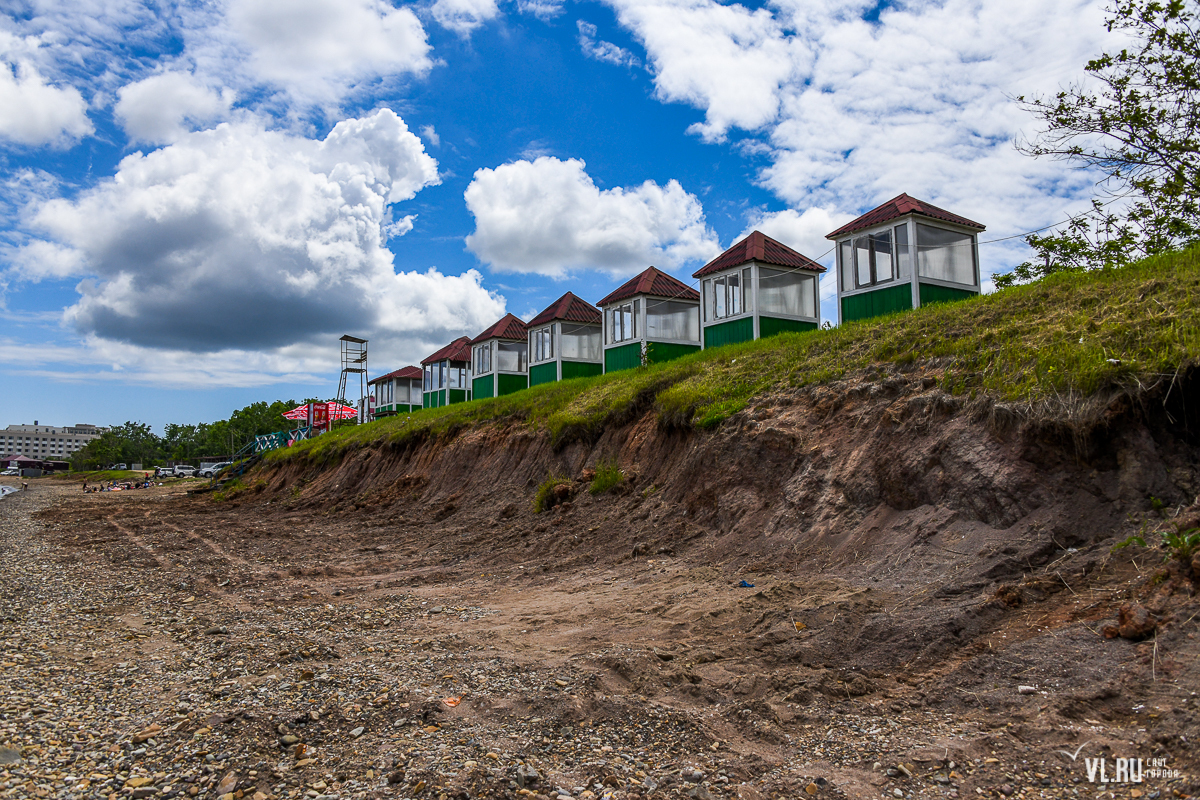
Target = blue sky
(198,199)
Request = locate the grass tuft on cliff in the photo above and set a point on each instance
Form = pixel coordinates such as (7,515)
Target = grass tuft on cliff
(1068,335)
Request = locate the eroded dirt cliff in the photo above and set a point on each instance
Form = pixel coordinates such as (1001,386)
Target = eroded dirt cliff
(839,582)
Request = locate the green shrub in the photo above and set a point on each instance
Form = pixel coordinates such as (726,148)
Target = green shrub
(545,498)
(1181,545)
(608,475)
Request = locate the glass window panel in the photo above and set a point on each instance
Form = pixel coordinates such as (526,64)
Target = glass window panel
(881,245)
(581,342)
(747,295)
(734,304)
(862,261)
(945,255)
(402,394)
(719,299)
(673,320)
(427,379)
(706,300)
(903,254)
(846,264)
(785,292)
(510,356)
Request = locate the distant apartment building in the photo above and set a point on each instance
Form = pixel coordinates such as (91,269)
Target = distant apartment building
(45,442)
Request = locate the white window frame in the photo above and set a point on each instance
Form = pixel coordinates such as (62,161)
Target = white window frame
(544,334)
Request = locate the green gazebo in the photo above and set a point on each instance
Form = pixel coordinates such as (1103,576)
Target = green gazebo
(757,288)
(447,374)
(397,392)
(500,359)
(876,254)
(564,341)
(652,317)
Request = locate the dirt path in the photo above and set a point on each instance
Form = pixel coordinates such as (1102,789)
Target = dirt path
(159,646)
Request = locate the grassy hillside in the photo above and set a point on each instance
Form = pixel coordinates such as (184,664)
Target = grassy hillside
(1067,335)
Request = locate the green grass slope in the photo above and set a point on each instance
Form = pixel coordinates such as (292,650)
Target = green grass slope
(1069,335)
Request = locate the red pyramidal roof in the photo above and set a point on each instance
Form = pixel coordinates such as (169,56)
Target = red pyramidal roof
(509,327)
(458,350)
(763,249)
(654,283)
(403,372)
(568,307)
(897,207)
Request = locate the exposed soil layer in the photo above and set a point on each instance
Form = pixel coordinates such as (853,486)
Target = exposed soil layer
(853,590)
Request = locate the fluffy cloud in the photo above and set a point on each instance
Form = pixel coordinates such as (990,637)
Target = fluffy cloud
(548,216)
(463,16)
(32,111)
(163,107)
(725,59)
(240,238)
(314,49)
(851,111)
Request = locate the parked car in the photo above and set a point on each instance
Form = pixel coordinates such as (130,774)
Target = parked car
(209,470)
(11,471)
(118,466)
(184,471)
(164,472)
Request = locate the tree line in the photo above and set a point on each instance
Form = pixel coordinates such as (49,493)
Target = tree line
(136,443)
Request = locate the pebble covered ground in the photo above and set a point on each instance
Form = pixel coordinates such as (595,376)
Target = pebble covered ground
(134,678)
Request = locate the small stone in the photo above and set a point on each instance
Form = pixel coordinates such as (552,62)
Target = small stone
(145,791)
(1007,789)
(1134,621)
(357,732)
(396,777)
(141,780)
(9,755)
(227,784)
(216,630)
(288,740)
(560,682)
(436,610)
(897,793)
(1024,689)
(812,788)
(527,776)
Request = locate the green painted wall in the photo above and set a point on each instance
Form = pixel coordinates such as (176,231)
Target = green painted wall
(738,330)
(481,388)
(942,294)
(658,352)
(769,326)
(627,356)
(458,395)
(435,399)
(543,373)
(510,383)
(877,303)
(581,369)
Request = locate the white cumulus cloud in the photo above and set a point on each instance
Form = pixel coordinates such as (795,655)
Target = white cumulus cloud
(241,238)
(33,111)
(314,49)
(548,216)
(163,107)
(851,111)
(725,59)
